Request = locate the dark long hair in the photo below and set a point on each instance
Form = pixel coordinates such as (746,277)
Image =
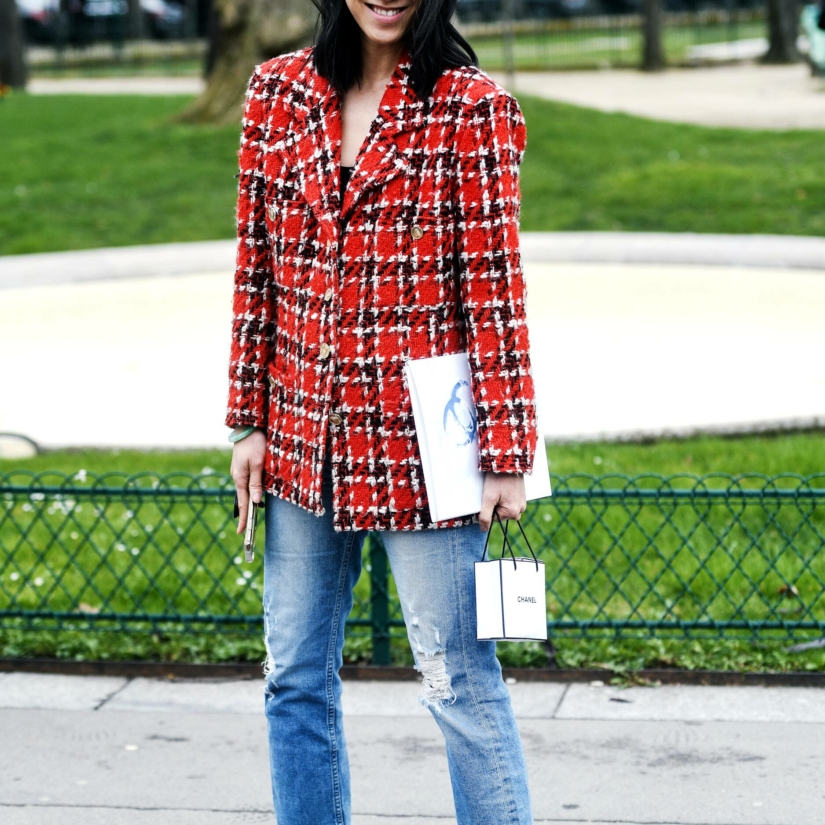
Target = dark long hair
(433,41)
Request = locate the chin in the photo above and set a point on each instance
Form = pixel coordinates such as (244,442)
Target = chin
(383,38)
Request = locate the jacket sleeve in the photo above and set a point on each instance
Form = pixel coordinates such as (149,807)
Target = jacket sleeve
(252,322)
(490,143)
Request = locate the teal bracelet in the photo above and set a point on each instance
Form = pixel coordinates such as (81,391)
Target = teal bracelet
(233,437)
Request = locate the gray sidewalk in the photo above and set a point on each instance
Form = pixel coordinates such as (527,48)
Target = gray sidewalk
(79,749)
(181,85)
(744,95)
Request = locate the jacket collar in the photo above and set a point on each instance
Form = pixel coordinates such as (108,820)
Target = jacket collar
(318,148)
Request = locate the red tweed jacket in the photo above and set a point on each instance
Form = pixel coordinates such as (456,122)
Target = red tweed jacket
(331,299)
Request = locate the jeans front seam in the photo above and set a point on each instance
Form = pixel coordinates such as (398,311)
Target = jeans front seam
(506,786)
(336,618)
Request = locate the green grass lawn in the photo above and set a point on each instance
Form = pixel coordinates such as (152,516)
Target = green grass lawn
(149,67)
(131,554)
(85,172)
(801,453)
(585,170)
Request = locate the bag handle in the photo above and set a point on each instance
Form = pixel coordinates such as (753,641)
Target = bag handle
(507,545)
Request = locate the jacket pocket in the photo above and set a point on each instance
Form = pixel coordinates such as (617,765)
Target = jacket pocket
(433,259)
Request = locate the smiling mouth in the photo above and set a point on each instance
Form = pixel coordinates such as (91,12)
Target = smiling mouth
(382,12)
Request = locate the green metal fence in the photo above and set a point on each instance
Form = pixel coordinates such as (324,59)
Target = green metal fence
(625,555)
(689,38)
(598,35)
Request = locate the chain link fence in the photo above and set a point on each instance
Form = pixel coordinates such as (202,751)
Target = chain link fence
(625,555)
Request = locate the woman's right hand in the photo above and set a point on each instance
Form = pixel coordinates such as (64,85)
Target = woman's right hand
(246,470)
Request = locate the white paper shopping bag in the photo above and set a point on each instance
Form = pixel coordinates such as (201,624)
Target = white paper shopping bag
(510,596)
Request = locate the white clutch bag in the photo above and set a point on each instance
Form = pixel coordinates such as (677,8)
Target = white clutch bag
(445,421)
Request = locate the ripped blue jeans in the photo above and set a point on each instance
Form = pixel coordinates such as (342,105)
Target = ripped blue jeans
(309,574)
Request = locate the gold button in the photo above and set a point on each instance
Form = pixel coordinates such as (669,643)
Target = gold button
(328,294)
(271,382)
(272,212)
(417,232)
(325,350)
(335,419)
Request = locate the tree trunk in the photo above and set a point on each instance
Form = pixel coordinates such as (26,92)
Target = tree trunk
(783,27)
(12,49)
(136,22)
(653,56)
(190,23)
(244,34)
(508,42)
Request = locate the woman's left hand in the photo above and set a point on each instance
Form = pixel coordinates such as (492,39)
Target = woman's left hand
(506,491)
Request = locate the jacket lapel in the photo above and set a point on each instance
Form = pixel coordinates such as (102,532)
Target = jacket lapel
(385,151)
(317,143)
(318,152)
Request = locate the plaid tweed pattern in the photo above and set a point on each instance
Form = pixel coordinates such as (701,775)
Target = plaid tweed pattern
(332,298)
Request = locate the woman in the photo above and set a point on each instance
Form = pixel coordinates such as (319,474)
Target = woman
(339,283)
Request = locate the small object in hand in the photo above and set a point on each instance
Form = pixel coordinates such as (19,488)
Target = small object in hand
(249,537)
(251,525)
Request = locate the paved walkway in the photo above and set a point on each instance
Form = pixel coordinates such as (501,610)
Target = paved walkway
(632,347)
(87,750)
(744,95)
(115,86)
(174,259)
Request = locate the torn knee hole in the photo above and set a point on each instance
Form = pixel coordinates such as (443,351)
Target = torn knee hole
(269,663)
(437,687)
